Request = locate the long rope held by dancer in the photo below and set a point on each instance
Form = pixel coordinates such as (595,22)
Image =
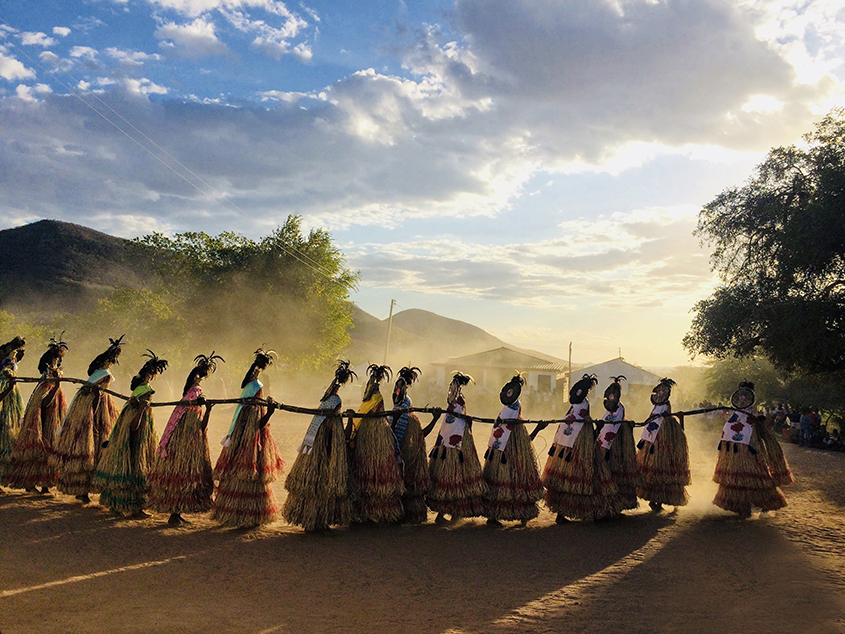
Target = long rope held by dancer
(295,409)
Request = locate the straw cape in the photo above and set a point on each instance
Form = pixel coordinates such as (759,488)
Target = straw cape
(181,477)
(121,474)
(616,442)
(576,476)
(11,411)
(318,484)
(30,465)
(510,471)
(410,442)
(87,424)
(250,460)
(663,454)
(743,470)
(124,466)
(457,481)
(374,463)
(181,480)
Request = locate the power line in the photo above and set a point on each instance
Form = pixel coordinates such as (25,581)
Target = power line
(212,192)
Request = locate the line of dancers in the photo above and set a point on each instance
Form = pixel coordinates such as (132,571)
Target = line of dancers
(373,469)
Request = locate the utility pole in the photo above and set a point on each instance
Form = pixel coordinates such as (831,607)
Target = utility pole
(569,376)
(389,328)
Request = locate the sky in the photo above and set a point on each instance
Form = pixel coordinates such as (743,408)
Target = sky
(533,167)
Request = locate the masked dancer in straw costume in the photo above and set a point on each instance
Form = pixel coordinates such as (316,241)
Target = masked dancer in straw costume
(181,479)
(778,466)
(510,468)
(31,466)
(86,426)
(410,447)
(11,403)
(742,470)
(250,460)
(122,474)
(663,454)
(616,442)
(373,460)
(576,476)
(318,483)
(457,482)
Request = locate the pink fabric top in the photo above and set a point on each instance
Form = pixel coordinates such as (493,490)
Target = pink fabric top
(175,417)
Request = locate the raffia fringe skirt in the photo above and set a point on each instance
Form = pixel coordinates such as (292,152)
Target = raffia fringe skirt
(245,470)
(182,481)
(578,481)
(377,474)
(318,483)
(457,482)
(664,466)
(513,481)
(122,472)
(30,464)
(744,479)
(415,472)
(87,424)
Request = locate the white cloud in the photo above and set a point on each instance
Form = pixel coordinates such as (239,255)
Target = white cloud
(36,39)
(194,40)
(11,69)
(83,52)
(49,56)
(144,87)
(61,31)
(133,59)
(195,8)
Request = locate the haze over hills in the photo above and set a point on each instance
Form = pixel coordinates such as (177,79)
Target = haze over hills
(57,266)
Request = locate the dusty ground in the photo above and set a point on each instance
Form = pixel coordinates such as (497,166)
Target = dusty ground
(68,568)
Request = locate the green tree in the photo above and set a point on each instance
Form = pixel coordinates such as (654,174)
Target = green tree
(780,253)
(723,376)
(288,291)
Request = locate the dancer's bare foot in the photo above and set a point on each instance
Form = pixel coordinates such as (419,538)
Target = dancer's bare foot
(176,520)
(441,519)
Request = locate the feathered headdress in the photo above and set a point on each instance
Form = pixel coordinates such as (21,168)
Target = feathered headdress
(204,365)
(110,355)
(59,343)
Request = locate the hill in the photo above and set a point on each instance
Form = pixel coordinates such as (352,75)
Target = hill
(52,265)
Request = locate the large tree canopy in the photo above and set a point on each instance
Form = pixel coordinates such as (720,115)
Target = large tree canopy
(287,291)
(780,252)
